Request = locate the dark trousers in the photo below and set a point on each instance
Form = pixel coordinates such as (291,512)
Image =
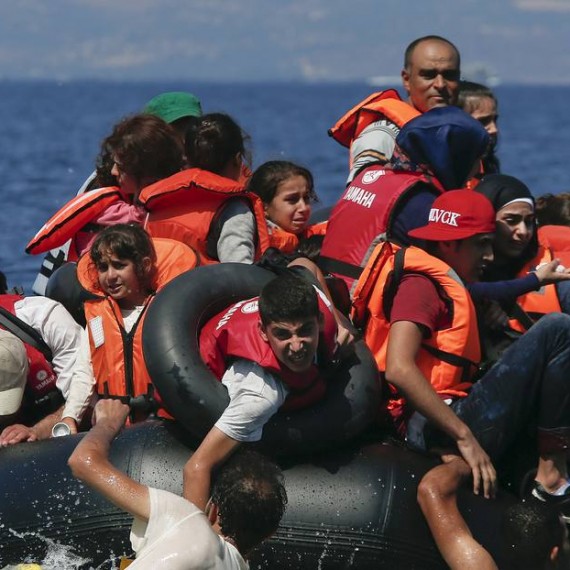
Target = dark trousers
(527,389)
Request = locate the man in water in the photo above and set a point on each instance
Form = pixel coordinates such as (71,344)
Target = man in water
(431,79)
(247,502)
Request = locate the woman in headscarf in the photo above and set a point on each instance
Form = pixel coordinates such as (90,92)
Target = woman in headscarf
(538,282)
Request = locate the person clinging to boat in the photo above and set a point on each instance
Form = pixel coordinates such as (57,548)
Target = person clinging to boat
(123,271)
(269,352)
(206,205)
(245,506)
(49,386)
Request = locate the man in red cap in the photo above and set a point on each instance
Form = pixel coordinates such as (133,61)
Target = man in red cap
(421,325)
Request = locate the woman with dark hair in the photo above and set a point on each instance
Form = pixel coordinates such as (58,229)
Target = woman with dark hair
(139,151)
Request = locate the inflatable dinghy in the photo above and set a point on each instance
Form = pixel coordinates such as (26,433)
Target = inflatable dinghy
(351,508)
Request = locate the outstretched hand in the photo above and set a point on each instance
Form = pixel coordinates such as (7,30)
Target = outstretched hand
(480,463)
(552,272)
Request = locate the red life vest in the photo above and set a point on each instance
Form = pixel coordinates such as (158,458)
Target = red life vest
(72,218)
(234,333)
(184,207)
(363,217)
(117,356)
(41,377)
(450,356)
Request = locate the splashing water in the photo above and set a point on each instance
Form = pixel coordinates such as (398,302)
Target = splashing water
(60,556)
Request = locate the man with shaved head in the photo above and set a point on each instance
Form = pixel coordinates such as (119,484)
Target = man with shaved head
(431,79)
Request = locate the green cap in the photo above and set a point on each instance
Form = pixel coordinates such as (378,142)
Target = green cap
(173,106)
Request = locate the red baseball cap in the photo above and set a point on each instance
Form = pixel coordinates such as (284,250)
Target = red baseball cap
(457,214)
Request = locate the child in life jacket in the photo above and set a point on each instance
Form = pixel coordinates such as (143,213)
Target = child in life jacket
(123,272)
(287,191)
(264,350)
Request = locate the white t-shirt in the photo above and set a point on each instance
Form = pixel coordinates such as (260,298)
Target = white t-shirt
(178,536)
(255,395)
(64,337)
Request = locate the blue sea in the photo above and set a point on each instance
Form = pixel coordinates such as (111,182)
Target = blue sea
(51,132)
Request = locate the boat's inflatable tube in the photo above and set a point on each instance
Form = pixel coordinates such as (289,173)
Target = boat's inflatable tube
(196,399)
(347,509)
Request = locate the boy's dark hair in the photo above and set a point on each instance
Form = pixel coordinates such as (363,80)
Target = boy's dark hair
(266,179)
(530,531)
(213,141)
(470,92)
(251,498)
(126,241)
(287,298)
(143,146)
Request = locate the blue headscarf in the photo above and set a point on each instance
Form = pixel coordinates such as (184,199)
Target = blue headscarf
(446,140)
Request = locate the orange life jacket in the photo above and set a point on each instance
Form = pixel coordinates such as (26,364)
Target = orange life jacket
(557,239)
(541,302)
(184,207)
(234,333)
(288,242)
(450,356)
(71,218)
(117,356)
(383,104)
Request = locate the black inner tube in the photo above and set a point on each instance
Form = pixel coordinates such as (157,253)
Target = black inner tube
(196,399)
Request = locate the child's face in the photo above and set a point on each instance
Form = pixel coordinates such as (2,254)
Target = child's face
(294,343)
(485,111)
(290,208)
(118,279)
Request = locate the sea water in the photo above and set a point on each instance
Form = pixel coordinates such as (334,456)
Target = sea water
(51,133)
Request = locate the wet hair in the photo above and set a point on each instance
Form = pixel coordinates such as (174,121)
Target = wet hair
(126,241)
(266,179)
(530,531)
(144,146)
(471,92)
(213,141)
(251,498)
(311,246)
(553,209)
(3,284)
(287,298)
(411,48)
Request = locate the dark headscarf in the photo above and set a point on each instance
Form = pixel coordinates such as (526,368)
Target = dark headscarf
(502,189)
(448,141)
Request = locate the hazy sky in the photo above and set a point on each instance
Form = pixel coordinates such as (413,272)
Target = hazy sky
(520,40)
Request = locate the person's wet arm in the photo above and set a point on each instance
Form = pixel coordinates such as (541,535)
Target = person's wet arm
(90,463)
(437,497)
(404,343)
